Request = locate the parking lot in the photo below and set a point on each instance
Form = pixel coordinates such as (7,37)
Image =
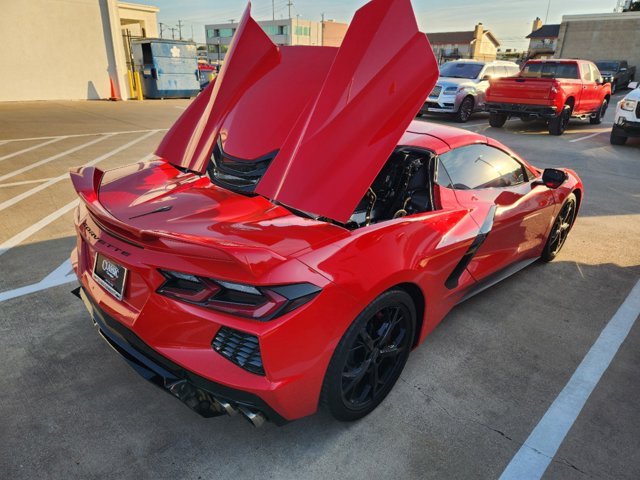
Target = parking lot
(468,399)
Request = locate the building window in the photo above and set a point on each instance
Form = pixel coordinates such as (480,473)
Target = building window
(303,31)
(225,32)
(283,29)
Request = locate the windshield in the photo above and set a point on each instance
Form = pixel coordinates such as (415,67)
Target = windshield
(550,70)
(461,70)
(607,66)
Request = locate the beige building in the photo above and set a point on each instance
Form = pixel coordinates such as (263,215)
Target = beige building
(606,36)
(288,31)
(477,44)
(68,50)
(543,39)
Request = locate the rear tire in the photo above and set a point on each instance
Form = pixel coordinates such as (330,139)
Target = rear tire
(558,124)
(497,120)
(561,227)
(597,120)
(370,357)
(465,111)
(616,139)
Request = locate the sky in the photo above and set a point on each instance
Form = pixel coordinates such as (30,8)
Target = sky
(510,21)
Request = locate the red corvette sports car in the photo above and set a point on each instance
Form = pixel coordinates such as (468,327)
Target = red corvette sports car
(300,233)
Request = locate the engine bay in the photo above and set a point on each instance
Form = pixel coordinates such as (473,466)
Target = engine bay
(403,187)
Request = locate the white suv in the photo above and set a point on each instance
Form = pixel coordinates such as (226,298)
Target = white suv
(462,86)
(627,120)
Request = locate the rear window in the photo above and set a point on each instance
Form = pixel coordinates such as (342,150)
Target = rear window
(550,70)
(461,70)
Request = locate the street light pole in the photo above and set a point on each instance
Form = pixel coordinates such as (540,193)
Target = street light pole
(546,19)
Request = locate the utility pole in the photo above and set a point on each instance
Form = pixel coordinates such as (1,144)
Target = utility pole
(173,32)
(180,28)
(273,10)
(162,29)
(290,4)
(546,19)
(192,32)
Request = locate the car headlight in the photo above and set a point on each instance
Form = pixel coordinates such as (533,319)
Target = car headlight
(628,105)
(452,90)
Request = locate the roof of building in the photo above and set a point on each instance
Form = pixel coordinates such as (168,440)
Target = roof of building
(546,31)
(450,38)
(457,38)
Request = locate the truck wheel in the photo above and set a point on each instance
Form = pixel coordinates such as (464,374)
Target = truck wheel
(597,119)
(497,120)
(616,139)
(614,87)
(558,125)
(466,109)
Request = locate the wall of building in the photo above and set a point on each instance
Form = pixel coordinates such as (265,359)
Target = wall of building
(333,33)
(141,20)
(57,49)
(601,37)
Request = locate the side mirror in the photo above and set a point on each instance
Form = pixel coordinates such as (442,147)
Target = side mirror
(486,78)
(553,178)
(623,69)
(633,85)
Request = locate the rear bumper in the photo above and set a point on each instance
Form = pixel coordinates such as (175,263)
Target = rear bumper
(205,397)
(516,109)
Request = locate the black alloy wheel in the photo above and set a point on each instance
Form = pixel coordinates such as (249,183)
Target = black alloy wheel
(465,111)
(370,357)
(560,229)
(558,125)
(597,119)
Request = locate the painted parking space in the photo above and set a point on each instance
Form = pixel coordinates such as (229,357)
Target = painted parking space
(469,400)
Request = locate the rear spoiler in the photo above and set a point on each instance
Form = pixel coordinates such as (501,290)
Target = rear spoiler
(86,182)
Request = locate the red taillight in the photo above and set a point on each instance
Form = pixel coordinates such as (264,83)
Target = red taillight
(258,303)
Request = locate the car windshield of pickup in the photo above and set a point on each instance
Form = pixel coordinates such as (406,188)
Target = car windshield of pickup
(550,70)
(607,66)
(461,70)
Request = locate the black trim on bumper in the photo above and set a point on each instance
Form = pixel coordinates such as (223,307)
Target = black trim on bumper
(195,391)
(627,129)
(516,109)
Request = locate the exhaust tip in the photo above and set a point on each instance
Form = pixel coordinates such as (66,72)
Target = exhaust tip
(227,407)
(257,419)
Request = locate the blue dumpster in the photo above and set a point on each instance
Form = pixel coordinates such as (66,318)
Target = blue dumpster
(168,68)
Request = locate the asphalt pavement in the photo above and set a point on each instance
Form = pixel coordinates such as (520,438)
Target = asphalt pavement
(468,400)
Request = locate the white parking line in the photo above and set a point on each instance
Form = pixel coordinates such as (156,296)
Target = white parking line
(28,193)
(26,233)
(60,276)
(31,166)
(538,450)
(10,155)
(24,182)
(585,138)
(76,135)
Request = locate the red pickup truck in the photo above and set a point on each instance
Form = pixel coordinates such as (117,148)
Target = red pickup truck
(556,90)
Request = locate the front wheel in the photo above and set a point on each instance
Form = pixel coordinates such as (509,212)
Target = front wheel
(616,139)
(597,119)
(497,120)
(558,124)
(466,109)
(370,356)
(560,229)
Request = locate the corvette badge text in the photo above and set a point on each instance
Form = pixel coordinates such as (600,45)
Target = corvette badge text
(98,240)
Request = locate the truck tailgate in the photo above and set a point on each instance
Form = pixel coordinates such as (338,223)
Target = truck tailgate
(520,90)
